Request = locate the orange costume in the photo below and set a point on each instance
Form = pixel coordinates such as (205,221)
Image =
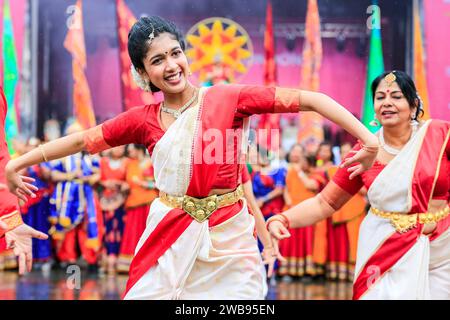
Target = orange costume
(298,249)
(343,228)
(137,207)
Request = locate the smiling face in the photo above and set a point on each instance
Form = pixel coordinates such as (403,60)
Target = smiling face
(391,106)
(166,65)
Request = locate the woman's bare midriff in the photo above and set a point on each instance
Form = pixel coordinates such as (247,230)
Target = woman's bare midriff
(220,191)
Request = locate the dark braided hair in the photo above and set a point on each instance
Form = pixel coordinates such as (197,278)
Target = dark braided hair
(408,88)
(138,39)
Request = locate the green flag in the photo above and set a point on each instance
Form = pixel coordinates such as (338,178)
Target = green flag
(375,65)
(10,75)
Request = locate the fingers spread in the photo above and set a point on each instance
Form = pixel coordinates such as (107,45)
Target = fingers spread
(22,263)
(31,232)
(39,235)
(31,186)
(29,261)
(27,179)
(356,172)
(270,270)
(27,191)
(349,161)
(20,195)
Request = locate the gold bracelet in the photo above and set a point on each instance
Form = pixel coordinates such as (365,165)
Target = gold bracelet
(41,147)
(372,149)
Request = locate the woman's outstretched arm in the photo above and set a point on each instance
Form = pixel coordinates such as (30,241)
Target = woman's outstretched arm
(333,111)
(127,127)
(315,209)
(259,99)
(55,149)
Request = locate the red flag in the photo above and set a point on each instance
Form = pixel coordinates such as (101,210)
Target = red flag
(74,43)
(269,49)
(269,122)
(132,94)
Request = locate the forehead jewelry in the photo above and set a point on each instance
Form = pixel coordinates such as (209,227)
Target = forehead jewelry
(151,36)
(390,78)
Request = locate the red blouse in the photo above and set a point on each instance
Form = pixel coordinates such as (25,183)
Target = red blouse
(8,202)
(336,197)
(245,174)
(140,125)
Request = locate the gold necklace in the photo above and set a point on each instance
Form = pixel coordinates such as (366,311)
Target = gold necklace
(177,112)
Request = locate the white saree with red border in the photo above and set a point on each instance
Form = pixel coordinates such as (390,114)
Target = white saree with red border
(178,257)
(409,265)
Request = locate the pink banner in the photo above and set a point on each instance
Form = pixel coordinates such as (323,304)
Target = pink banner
(342,74)
(437,45)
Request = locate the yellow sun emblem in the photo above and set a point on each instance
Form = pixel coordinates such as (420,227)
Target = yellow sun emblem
(220,42)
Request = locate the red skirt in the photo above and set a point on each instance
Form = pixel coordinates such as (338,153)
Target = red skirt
(135,223)
(338,251)
(298,250)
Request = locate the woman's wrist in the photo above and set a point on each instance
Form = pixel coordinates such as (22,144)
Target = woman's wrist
(280,217)
(265,198)
(11,166)
(370,142)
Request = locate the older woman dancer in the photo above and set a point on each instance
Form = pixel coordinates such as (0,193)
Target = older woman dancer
(403,241)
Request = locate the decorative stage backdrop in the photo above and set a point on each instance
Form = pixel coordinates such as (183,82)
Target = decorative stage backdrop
(344,61)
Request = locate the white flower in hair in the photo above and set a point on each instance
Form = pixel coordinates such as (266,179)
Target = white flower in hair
(139,80)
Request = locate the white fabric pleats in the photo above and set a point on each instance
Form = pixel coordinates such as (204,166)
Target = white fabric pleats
(222,262)
(424,271)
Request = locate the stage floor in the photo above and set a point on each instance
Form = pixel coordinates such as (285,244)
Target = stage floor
(59,285)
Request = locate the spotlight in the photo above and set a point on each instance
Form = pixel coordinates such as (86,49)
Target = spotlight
(341,41)
(361,46)
(290,42)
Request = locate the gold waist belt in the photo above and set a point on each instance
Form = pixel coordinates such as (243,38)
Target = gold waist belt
(201,209)
(403,222)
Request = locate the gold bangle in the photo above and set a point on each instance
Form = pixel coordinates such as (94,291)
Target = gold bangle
(372,149)
(41,147)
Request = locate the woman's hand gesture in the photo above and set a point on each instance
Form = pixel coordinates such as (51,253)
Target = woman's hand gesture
(362,159)
(19,185)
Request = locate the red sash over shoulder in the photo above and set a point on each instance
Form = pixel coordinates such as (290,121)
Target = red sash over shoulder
(423,185)
(216,100)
